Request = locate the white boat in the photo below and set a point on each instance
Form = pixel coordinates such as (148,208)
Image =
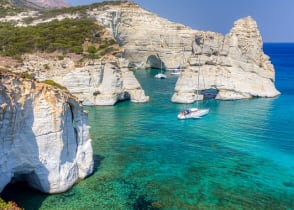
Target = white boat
(175,71)
(195,112)
(160,76)
(192,113)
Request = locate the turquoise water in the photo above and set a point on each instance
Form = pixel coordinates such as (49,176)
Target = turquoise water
(240,156)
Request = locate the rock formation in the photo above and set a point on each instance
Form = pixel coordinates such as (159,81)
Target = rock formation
(147,39)
(103,83)
(234,65)
(51,3)
(44,135)
(98,82)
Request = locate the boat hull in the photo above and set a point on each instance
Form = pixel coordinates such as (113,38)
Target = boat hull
(175,72)
(160,76)
(192,113)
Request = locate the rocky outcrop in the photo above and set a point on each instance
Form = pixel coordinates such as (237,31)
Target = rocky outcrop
(50,4)
(103,83)
(13,7)
(147,39)
(44,135)
(96,82)
(234,65)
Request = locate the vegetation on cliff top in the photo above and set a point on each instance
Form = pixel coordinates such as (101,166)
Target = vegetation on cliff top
(66,36)
(14,7)
(55,84)
(27,76)
(80,10)
(6,8)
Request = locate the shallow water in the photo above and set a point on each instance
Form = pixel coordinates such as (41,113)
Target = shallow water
(239,156)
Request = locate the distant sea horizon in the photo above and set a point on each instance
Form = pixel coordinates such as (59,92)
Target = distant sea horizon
(239,156)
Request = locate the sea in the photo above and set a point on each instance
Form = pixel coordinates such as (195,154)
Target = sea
(239,156)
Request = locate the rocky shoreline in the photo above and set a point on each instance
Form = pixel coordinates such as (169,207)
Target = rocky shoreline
(44,130)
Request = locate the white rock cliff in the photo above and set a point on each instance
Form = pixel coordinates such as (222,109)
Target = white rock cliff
(44,135)
(147,39)
(234,65)
(96,83)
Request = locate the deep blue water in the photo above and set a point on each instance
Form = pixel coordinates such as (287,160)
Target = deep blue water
(240,156)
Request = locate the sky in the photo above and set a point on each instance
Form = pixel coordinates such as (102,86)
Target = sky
(275,18)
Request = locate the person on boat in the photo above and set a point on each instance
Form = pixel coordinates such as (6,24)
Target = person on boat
(188,111)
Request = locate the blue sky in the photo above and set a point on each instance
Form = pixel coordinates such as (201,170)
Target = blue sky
(274,17)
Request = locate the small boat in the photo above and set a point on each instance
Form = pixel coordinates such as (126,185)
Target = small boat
(195,112)
(160,76)
(192,113)
(176,72)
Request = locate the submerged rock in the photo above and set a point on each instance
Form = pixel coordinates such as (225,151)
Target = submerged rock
(288,184)
(44,135)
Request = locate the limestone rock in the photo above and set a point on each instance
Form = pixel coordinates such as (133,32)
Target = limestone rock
(147,39)
(44,135)
(234,65)
(100,82)
(131,85)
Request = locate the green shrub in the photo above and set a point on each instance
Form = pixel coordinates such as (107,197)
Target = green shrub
(6,8)
(55,84)
(66,36)
(91,56)
(60,57)
(46,66)
(26,75)
(77,49)
(8,206)
(80,10)
(92,50)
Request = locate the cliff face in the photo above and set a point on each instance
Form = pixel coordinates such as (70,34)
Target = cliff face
(44,135)
(147,39)
(99,82)
(234,65)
